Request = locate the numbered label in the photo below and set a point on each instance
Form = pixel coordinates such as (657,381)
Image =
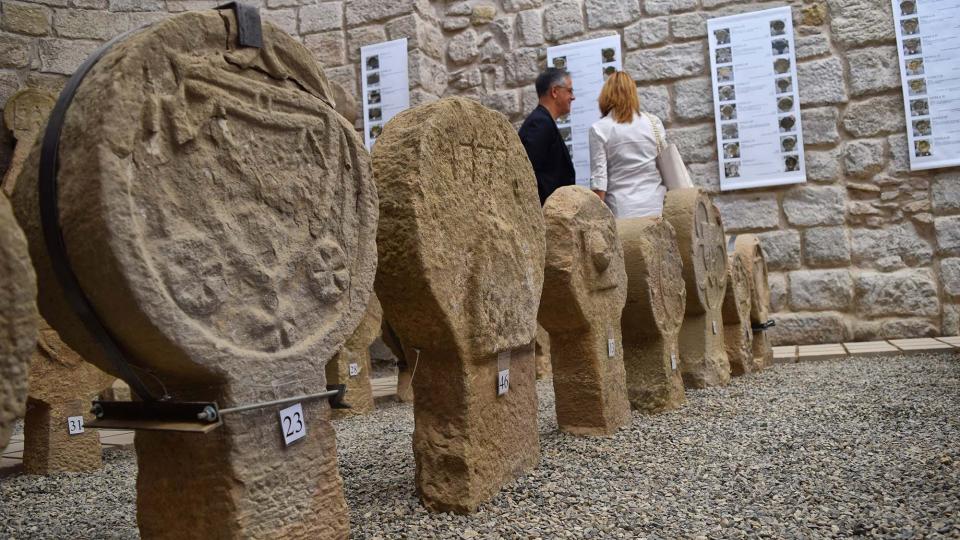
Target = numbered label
(503,382)
(714,327)
(673,361)
(354,370)
(293,424)
(611,347)
(75,425)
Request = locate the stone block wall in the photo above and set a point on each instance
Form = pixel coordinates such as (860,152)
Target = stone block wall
(865,249)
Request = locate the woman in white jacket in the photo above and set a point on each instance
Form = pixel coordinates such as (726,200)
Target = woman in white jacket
(624,146)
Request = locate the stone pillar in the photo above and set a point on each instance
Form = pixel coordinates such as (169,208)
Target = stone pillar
(61,385)
(748,246)
(656,300)
(351,366)
(544,369)
(25,114)
(461,247)
(18,324)
(584,290)
(406,362)
(703,250)
(737,333)
(221,217)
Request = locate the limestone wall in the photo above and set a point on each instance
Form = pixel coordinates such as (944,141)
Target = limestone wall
(865,249)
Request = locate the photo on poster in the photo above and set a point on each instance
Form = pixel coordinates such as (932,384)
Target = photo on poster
(728,111)
(567,134)
(373,62)
(785,104)
(563,120)
(373,97)
(781,66)
(910,27)
(722,36)
(917,87)
(791,164)
(912,46)
(607,55)
(923,148)
(787,123)
(784,85)
(375,114)
(780,46)
(373,79)
(788,143)
(727,92)
(908,7)
(915,66)
(724,55)
(608,71)
(731,169)
(375,130)
(560,62)
(730,131)
(725,74)
(921,128)
(731,150)
(919,107)
(778,27)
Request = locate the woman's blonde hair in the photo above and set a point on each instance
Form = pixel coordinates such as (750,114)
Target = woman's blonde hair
(619,96)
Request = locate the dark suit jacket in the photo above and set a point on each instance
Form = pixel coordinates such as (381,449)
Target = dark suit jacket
(547,152)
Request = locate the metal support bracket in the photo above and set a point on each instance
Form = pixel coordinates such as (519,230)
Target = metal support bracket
(763,327)
(190,416)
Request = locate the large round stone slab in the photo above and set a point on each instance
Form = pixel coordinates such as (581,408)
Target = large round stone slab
(748,246)
(700,237)
(461,251)
(218,212)
(18,320)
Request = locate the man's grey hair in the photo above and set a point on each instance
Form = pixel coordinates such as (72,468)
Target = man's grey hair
(550,78)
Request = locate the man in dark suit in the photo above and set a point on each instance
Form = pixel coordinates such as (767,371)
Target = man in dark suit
(540,136)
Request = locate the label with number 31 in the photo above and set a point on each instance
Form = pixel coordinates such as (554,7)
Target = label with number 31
(293,424)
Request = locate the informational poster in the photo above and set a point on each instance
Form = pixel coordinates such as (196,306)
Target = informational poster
(756,99)
(385,89)
(928,38)
(589,63)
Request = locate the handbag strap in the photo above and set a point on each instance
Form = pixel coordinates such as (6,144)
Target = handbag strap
(656,132)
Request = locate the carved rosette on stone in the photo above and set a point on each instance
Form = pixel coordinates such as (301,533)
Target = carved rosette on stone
(656,301)
(584,290)
(749,247)
(18,320)
(351,366)
(62,385)
(221,217)
(737,332)
(461,246)
(703,250)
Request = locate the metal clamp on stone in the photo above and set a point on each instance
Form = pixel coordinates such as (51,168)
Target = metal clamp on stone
(190,416)
(763,327)
(154,412)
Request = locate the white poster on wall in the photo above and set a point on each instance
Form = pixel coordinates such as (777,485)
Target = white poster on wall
(385,89)
(756,99)
(589,63)
(928,39)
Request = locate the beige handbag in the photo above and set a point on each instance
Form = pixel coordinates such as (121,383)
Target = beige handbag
(672,170)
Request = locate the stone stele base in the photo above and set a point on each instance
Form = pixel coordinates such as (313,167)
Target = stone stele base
(356,352)
(748,246)
(737,333)
(656,300)
(703,250)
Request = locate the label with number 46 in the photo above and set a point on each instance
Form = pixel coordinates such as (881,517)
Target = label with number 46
(503,382)
(293,424)
(75,425)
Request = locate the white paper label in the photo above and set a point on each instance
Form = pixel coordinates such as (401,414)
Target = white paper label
(293,424)
(673,361)
(354,370)
(611,347)
(503,382)
(714,323)
(75,425)
(384,85)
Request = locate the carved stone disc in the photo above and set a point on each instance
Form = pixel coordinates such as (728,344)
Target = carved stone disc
(216,209)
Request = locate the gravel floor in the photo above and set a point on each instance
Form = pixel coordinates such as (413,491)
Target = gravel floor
(863,447)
